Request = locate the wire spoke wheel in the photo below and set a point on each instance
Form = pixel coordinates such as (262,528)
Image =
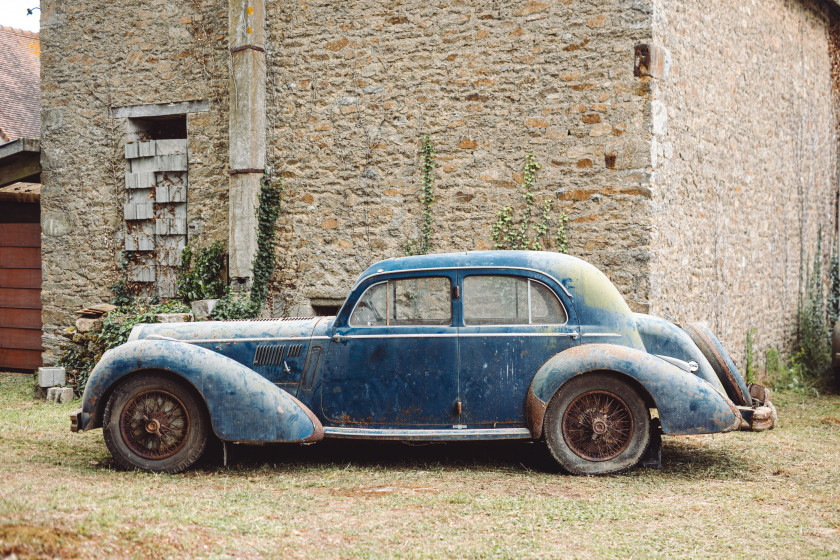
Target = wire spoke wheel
(596,423)
(155,422)
(598,426)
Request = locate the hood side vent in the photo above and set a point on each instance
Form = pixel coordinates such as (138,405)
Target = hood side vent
(294,350)
(269,354)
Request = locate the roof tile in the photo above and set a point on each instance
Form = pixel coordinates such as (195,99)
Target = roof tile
(20,79)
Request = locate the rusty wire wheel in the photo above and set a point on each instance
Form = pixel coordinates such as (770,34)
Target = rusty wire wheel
(596,423)
(597,426)
(155,424)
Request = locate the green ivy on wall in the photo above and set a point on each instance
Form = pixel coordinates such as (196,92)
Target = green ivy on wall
(422,245)
(238,306)
(510,232)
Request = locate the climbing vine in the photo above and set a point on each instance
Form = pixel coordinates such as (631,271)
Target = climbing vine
(200,275)
(238,306)
(421,245)
(508,232)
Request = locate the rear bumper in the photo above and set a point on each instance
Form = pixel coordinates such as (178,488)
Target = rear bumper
(762,414)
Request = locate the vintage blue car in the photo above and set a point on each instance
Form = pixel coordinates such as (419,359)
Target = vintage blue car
(463,346)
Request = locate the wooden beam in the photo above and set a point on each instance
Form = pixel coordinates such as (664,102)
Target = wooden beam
(17,169)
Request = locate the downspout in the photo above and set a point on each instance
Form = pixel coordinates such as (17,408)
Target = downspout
(247,131)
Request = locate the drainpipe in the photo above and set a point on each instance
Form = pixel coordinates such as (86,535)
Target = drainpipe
(247,131)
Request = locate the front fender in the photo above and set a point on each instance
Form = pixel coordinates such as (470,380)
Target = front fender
(243,405)
(686,403)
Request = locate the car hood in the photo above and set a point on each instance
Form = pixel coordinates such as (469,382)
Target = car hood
(210,331)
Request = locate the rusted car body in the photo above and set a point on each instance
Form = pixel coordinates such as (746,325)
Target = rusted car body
(463,346)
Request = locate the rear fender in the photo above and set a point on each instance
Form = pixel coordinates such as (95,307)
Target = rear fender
(686,403)
(243,405)
(664,337)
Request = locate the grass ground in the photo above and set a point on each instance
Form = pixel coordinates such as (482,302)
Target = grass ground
(742,495)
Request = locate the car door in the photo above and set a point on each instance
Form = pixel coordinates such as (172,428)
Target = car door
(394,360)
(512,323)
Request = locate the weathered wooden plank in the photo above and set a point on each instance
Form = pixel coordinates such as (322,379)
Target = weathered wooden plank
(20,257)
(20,318)
(20,235)
(13,358)
(20,298)
(20,278)
(21,339)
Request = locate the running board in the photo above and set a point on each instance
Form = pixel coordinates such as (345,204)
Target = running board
(448,434)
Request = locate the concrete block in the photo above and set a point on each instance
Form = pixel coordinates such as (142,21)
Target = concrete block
(140,236)
(59,395)
(139,211)
(141,273)
(170,248)
(147,149)
(176,162)
(131,181)
(132,150)
(174,317)
(51,376)
(145,180)
(171,147)
(203,307)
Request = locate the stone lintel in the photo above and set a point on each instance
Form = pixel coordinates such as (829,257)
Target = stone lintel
(161,109)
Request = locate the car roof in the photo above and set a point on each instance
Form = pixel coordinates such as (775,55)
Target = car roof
(563,268)
(596,299)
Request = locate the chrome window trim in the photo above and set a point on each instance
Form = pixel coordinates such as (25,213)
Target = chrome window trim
(209,340)
(572,334)
(461,268)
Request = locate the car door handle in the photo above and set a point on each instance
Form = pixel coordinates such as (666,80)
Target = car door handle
(339,338)
(574,335)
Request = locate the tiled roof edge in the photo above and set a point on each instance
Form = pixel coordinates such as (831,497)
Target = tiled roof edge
(23,32)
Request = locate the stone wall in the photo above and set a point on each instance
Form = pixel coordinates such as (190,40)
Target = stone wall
(353,87)
(698,193)
(98,55)
(744,163)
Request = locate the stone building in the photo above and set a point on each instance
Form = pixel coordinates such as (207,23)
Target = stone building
(692,144)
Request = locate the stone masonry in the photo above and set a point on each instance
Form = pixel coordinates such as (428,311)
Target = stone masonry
(744,161)
(697,189)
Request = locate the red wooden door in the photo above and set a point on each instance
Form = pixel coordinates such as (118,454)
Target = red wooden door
(20,296)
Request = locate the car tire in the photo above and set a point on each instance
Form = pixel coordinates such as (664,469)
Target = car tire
(155,423)
(727,372)
(597,424)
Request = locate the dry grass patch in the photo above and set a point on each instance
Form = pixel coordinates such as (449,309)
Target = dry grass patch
(731,495)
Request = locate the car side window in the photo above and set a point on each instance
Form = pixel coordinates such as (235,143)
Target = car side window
(510,300)
(403,302)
